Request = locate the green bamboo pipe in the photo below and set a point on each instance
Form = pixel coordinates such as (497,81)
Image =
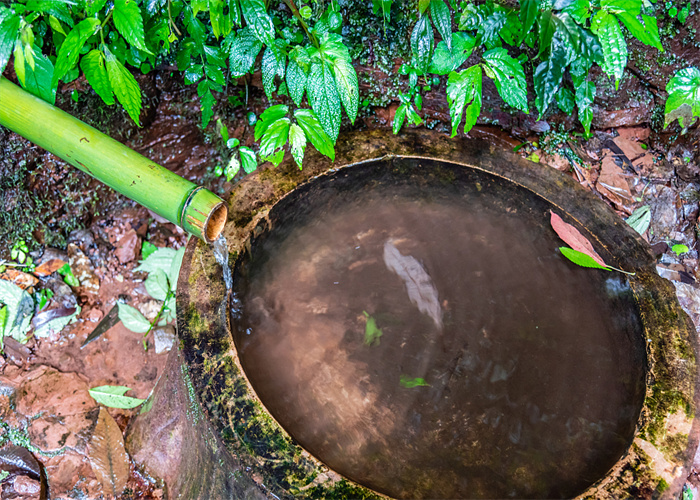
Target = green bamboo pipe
(197,210)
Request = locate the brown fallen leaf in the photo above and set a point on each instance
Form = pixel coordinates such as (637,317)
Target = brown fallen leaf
(108,458)
(49,267)
(22,280)
(574,238)
(612,183)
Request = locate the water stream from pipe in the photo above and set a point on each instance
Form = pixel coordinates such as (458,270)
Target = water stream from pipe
(221,254)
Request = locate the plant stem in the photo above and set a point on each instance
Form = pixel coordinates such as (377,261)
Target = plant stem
(295,12)
(155,321)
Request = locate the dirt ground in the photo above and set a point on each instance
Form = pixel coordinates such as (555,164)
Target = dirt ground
(44,402)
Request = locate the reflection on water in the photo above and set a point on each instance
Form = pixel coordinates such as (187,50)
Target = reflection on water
(496,368)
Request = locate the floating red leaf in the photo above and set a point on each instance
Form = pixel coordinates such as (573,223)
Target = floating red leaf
(574,238)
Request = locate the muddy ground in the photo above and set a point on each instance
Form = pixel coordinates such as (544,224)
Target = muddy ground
(63,214)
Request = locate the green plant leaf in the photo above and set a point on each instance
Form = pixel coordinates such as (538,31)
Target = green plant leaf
(133,319)
(274,138)
(273,64)
(585,94)
(147,249)
(297,143)
(70,48)
(206,101)
(422,42)
(3,323)
(160,259)
(129,23)
(9,33)
(490,29)
(679,249)
(19,312)
(244,48)
(640,219)
(399,118)
(647,33)
(344,73)
(38,80)
(464,88)
(528,14)
(683,101)
(175,265)
(632,7)
(547,28)
(314,132)
(614,47)
(94,6)
(124,85)
(68,275)
(580,258)
(509,77)
(549,73)
(268,117)
(445,60)
(324,99)
(410,383)
(372,333)
(383,6)
(297,74)
(442,19)
(19,62)
(248,159)
(220,23)
(113,396)
(234,165)
(257,18)
(93,65)
(157,285)
(565,100)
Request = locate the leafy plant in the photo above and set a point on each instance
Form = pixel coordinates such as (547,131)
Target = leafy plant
(163,268)
(683,101)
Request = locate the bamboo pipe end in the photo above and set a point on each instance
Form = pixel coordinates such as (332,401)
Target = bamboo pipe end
(204,214)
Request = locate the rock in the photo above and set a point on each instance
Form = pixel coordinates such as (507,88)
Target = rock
(83,271)
(127,247)
(632,104)
(62,293)
(665,212)
(27,486)
(689,298)
(150,309)
(164,338)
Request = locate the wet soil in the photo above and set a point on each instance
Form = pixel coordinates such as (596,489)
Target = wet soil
(43,384)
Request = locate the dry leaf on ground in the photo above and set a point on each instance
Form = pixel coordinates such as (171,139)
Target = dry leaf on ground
(612,183)
(49,267)
(574,238)
(22,280)
(108,458)
(638,156)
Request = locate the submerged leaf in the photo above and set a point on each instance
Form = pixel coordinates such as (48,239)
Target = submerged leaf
(108,458)
(409,382)
(372,333)
(575,239)
(420,287)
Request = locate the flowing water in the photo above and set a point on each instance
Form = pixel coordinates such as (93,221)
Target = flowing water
(433,343)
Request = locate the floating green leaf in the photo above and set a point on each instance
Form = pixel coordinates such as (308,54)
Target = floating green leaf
(93,65)
(464,88)
(410,383)
(679,249)
(314,132)
(640,219)
(113,396)
(509,77)
(580,258)
(133,319)
(124,85)
(683,101)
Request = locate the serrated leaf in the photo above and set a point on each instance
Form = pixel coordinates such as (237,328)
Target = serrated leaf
(549,74)
(94,6)
(445,60)
(193,73)
(296,81)
(244,49)
(585,94)
(70,48)
(9,33)
(683,101)
(440,13)
(399,118)
(647,33)
(297,143)
(124,85)
(314,132)
(606,27)
(324,99)
(528,14)
(273,139)
(157,285)
(129,23)
(108,458)
(632,7)
(422,43)
(580,258)
(248,159)
(509,77)
(268,117)
(490,29)
(93,65)
(257,18)
(133,319)
(464,88)
(640,219)
(206,101)
(113,396)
